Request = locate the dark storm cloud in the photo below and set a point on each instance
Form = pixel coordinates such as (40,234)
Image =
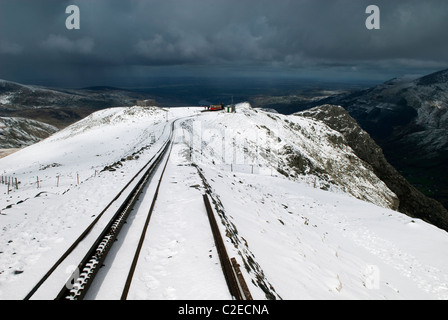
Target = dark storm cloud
(121,38)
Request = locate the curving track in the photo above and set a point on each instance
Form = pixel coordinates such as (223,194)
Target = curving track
(121,244)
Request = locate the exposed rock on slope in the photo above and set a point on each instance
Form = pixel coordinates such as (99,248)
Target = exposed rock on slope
(21,132)
(298,148)
(409,120)
(412,201)
(59,107)
(51,109)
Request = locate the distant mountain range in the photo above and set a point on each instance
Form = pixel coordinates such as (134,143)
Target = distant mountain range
(31,113)
(60,107)
(20,132)
(408,118)
(411,201)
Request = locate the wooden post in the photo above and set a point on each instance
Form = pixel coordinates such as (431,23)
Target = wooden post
(57,185)
(38,182)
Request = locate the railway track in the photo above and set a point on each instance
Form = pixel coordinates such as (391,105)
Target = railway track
(130,197)
(234,278)
(83,276)
(87,269)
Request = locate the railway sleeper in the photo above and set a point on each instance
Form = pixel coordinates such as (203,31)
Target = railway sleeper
(75,294)
(92,263)
(76,287)
(79,285)
(87,271)
(98,254)
(84,276)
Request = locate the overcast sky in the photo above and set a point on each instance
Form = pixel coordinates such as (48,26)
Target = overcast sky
(125,42)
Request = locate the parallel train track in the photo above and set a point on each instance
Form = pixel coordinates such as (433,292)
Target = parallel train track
(82,278)
(235,281)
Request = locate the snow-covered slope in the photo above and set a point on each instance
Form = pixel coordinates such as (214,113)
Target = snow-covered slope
(313,244)
(408,118)
(20,132)
(411,201)
(60,107)
(298,148)
(285,187)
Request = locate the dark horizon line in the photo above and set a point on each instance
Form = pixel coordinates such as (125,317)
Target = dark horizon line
(164,81)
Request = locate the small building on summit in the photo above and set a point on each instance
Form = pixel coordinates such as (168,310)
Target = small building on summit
(230,108)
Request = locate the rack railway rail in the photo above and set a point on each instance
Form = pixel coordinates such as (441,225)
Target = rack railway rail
(92,262)
(80,281)
(234,278)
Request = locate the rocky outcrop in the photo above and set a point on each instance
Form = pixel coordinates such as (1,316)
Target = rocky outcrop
(412,202)
(21,132)
(60,107)
(408,118)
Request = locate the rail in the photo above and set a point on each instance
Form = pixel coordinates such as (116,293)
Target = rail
(234,278)
(83,276)
(87,269)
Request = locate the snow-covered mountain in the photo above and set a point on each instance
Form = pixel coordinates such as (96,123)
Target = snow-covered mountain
(21,132)
(399,102)
(59,107)
(411,201)
(305,216)
(299,148)
(408,118)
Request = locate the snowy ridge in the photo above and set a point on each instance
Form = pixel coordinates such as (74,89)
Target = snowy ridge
(19,132)
(298,148)
(287,187)
(314,244)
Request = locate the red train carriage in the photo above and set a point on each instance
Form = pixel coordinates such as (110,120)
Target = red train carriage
(215,107)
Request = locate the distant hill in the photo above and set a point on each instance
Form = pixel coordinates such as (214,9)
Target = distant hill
(409,120)
(411,201)
(21,132)
(60,107)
